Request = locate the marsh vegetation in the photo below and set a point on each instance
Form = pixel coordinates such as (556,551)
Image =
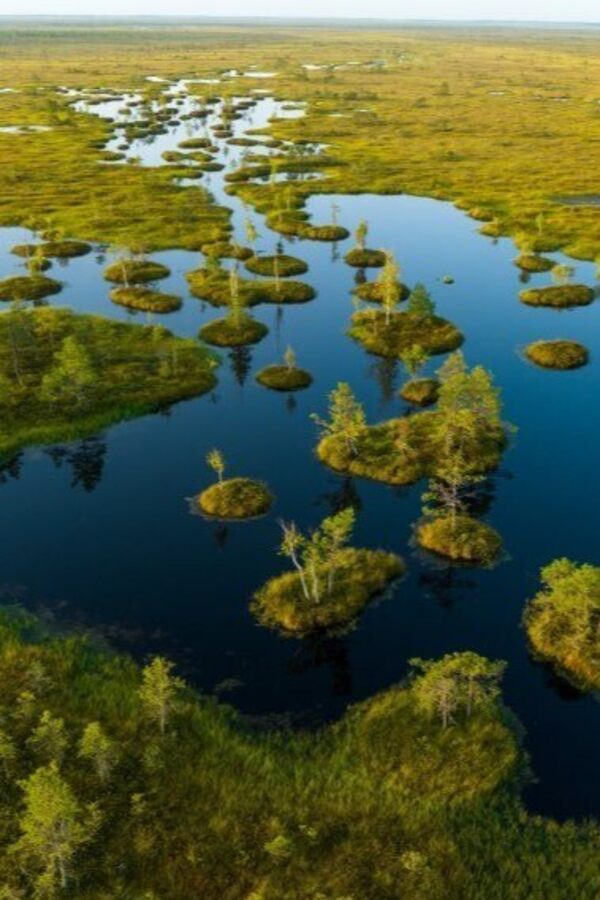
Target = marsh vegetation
(226,180)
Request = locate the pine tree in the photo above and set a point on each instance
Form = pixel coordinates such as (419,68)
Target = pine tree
(54,826)
(71,379)
(346,417)
(158,691)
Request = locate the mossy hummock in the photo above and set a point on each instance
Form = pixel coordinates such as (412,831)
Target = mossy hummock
(53,249)
(364,258)
(420,391)
(372,291)
(558,296)
(402,451)
(214,287)
(135,271)
(284,378)
(235,498)
(402,331)
(531,262)
(322,232)
(282,264)
(226,250)
(557,354)
(28,287)
(142,298)
(360,575)
(226,332)
(461,539)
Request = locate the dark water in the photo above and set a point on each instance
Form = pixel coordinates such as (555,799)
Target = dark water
(101,531)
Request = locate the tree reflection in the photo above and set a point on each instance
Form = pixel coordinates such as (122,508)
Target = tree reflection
(240,360)
(86,459)
(320,651)
(385,372)
(445,584)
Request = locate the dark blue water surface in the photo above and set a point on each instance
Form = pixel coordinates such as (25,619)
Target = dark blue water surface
(101,532)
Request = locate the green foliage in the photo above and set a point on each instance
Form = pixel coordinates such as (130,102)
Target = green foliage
(562,621)
(158,691)
(54,826)
(346,420)
(420,303)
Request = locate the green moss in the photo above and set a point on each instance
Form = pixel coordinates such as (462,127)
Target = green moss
(115,371)
(226,250)
(361,575)
(235,498)
(144,299)
(558,295)
(364,258)
(135,271)
(28,287)
(531,262)
(215,288)
(228,333)
(463,539)
(267,265)
(557,354)
(284,378)
(404,330)
(372,291)
(420,391)
(562,621)
(402,451)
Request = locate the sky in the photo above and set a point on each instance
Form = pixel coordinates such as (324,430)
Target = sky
(527,10)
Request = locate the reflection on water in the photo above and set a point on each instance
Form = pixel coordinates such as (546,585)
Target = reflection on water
(101,530)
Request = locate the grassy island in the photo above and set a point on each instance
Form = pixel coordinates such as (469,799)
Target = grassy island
(214,286)
(331,583)
(401,451)
(65,376)
(363,574)
(420,391)
(280,265)
(531,262)
(460,538)
(284,378)
(363,258)
(562,621)
(28,287)
(390,335)
(557,354)
(235,498)
(558,296)
(135,271)
(138,297)
(233,332)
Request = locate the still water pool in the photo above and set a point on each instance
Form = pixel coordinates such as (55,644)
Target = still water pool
(101,532)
